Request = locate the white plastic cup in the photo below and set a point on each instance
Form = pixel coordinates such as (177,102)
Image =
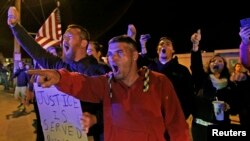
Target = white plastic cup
(219,110)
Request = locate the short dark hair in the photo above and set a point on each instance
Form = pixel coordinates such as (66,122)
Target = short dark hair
(83,31)
(166,39)
(124,38)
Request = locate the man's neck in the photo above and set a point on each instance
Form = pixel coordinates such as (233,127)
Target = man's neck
(165,60)
(131,77)
(130,80)
(80,56)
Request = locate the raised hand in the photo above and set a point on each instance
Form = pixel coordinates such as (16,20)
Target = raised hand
(13,16)
(131,31)
(46,77)
(245,34)
(143,40)
(195,39)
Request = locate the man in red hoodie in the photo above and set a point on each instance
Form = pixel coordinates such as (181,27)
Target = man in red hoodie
(138,104)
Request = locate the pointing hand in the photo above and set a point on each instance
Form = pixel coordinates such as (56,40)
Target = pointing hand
(46,77)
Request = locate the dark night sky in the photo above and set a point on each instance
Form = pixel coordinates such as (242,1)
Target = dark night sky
(104,19)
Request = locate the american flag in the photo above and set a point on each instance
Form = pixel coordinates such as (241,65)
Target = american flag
(50,33)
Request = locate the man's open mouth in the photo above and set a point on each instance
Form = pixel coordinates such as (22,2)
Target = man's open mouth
(115,68)
(66,47)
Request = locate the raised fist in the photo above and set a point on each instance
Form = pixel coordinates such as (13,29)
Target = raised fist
(131,31)
(196,37)
(13,16)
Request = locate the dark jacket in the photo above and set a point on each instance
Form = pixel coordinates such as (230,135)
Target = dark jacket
(181,79)
(242,101)
(179,76)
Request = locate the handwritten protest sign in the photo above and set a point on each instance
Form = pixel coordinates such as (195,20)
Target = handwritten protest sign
(60,115)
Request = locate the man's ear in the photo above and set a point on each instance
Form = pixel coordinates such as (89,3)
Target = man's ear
(173,51)
(84,44)
(99,54)
(135,55)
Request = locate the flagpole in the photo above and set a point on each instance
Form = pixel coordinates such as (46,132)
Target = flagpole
(58,3)
(17,52)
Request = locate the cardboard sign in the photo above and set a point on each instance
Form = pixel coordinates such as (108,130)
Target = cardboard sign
(60,115)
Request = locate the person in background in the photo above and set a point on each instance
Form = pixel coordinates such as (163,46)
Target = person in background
(74,59)
(139,104)
(28,97)
(213,84)
(21,86)
(4,77)
(242,82)
(95,49)
(238,74)
(167,64)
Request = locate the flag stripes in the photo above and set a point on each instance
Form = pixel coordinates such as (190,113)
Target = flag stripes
(50,33)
